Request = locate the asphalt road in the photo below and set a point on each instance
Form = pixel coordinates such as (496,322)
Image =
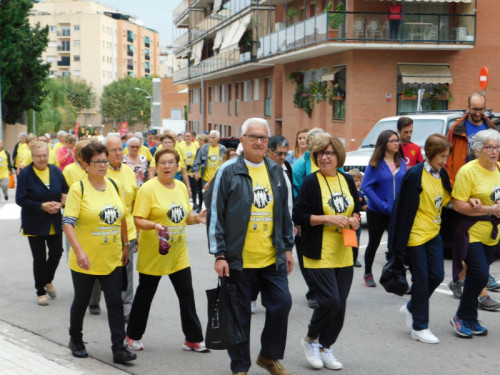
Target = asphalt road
(374,339)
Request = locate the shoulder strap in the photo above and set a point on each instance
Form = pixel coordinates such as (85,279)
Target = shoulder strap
(81,186)
(114,184)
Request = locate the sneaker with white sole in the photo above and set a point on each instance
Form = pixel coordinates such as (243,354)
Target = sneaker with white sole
(424,335)
(134,344)
(311,352)
(51,291)
(329,360)
(461,327)
(42,300)
(195,346)
(487,303)
(456,289)
(409,318)
(477,329)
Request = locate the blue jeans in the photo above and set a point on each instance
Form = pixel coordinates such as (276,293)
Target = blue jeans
(478,261)
(427,272)
(276,298)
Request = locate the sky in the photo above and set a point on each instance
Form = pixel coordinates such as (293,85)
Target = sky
(155,14)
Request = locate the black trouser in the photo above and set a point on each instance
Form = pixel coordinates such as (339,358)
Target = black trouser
(331,286)
(199,192)
(377,223)
(112,287)
(194,189)
(44,268)
(183,286)
(303,271)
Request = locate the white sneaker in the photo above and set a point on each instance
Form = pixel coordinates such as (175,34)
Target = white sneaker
(51,291)
(253,306)
(409,317)
(134,344)
(311,351)
(329,360)
(425,335)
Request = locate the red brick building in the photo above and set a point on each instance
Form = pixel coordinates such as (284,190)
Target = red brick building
(250,54)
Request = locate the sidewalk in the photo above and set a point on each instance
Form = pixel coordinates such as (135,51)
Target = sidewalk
(22,352)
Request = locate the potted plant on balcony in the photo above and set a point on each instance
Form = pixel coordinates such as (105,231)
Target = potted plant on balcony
(291,14)
(409,94)
(335,18)
(335,93)
(442,92)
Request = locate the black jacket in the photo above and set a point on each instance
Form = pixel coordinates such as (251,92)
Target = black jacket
(406,206)
(31,193)
(309,203)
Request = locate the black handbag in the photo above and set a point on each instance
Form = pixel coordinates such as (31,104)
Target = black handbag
(223,329)
(393,277)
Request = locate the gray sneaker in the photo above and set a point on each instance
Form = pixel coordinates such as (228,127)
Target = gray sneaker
(456,288)
(489,304)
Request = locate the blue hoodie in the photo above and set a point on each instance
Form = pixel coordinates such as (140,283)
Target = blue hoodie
(381,187)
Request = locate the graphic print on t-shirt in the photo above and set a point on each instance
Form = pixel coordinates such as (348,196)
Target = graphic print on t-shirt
(109,214)
(261,196)
(213,158)
(438,202)
(176,213)
(495,196)
(339,202)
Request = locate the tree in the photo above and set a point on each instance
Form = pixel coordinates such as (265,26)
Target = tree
(80,94)
(23,72)
(121,102)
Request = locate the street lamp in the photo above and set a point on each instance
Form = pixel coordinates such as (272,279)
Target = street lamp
(150,97)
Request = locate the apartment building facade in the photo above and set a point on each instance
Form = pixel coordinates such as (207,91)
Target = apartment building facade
(342,67)
(93,42)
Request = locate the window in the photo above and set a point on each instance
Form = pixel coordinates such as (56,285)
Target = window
(130,36)
(76,73)
(65,31)
(52,29)
(76,58)
(217,93)
(76,27)
(268,97)
(146,41)
(256,89)
(76,43)
(338,95)
(210,100)
(66,74)
(223,93)
(65,45)
(147,67)
(52,44)
(246,91)
(229,101)
(196,96)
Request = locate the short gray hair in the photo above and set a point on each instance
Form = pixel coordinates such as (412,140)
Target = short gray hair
(138,135)
(214,132)
(108,137)
(255,120)
(23,135)
(62,133)
(484,136)
(133,139)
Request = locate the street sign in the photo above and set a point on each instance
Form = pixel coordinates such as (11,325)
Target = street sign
(483,78)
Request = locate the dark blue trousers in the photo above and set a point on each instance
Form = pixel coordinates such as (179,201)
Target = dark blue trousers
(478,260)
(427,272)
(276,298)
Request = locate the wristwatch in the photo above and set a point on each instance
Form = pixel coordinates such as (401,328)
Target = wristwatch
(127,243)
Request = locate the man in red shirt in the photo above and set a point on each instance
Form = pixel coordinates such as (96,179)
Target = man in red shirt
(412,152)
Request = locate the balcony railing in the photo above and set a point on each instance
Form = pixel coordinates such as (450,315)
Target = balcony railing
(267,107)
(182,40)
(64,33)
(363,27)
(180,11)
(130,67)
(64,48)
(64,63)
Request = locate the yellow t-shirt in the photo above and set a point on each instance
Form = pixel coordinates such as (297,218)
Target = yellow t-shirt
(98,227)
(181,162)
(189,152)
(4,165)
(475,181)
(73,172)
(314,166)
(20,149)
(129,183)
(259,251)
(337,200)
(169,207)
(143,150)
(26,158)
(427,222)
(213,163)
(57,146)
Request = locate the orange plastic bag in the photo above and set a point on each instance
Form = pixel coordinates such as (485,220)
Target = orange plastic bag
(350,238)
(12,181)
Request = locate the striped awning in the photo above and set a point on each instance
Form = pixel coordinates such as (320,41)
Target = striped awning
(437,74)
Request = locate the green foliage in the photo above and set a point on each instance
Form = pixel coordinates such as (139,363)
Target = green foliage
(56,111)
(121,102)
(305,96)
(292,12)
(335,19)
(80,94)
(409,92)
(23,73)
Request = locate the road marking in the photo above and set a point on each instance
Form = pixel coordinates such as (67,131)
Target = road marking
(10,211)
(446,291)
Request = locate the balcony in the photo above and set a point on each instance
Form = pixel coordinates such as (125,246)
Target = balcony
(147,57)
(180,13)
(130,67)
(147,70)
(65,33)
(371,30)
(182,40)
(64,49)
(64,62)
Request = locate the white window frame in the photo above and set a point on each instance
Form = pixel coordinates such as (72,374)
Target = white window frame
(217,93)
(255,87)
(223,98)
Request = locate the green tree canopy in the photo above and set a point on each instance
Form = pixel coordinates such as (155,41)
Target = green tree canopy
(79,94)
(23,73)
(121,102)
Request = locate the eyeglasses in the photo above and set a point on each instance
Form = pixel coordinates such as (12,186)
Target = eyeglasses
(328,154)
(100,162)
(44,156)
(169,163)
(116,150)
(393,141)
(482,109)
(255,138)
(279,154)
(492,148)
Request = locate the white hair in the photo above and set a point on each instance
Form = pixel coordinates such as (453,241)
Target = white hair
(215,132)
(23,135)
(61,133)
(133,139)
(484,136)
(138,135)
(108,137)
(255,120)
